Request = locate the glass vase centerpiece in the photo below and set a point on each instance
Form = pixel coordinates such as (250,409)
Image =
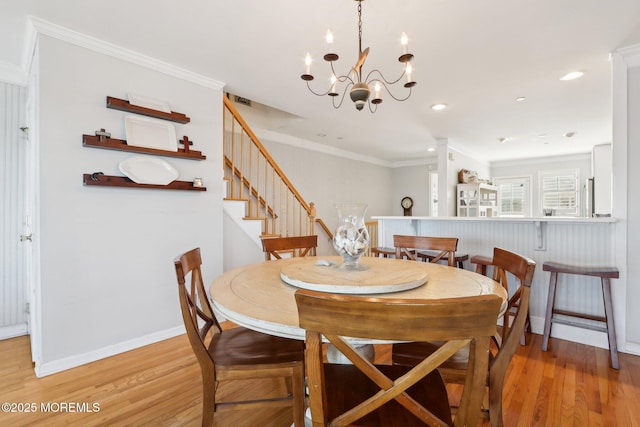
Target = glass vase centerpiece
(351,239)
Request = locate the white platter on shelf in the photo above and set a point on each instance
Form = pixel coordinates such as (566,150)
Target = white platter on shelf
(145,101)
(148,170)
(150,133)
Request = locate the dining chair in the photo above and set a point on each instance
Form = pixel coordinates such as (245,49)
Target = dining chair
(365,394)
(236,353)
(482,262)
(444,248)
(454,369)
(296,246)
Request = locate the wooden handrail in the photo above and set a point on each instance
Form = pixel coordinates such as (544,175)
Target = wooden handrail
(253,175)
(264,151)
(325,228)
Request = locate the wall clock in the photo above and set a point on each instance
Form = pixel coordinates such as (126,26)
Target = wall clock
(407,204)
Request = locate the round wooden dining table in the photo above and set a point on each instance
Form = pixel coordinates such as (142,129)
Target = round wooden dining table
(261,296)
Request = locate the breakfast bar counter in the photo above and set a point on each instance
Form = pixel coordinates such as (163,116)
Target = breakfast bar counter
(578,241)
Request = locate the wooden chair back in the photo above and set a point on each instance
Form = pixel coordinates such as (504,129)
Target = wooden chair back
(445,247)
(522,268)
(457,322)
(296,246)
(197,313)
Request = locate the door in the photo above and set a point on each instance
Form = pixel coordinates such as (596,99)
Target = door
(32,191)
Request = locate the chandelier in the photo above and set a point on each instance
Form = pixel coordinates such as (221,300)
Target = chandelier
(353,81)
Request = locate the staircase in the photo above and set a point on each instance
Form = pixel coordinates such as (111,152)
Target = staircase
(259,196)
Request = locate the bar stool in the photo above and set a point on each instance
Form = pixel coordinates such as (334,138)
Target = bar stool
(605,274)
(429,255)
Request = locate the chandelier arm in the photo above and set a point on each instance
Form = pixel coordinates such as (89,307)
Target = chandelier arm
(344,92)
(374,108)
(386,87)
(343,78)
(317,93)
(404,73)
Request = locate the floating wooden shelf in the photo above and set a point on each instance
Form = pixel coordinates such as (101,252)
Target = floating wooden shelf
(123,181)
(120,144)
(123,105)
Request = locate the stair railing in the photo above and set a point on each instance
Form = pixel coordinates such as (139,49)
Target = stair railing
(254,176)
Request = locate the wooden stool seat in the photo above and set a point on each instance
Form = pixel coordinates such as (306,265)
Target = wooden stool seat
(481,263)
(429,255)
(605,274)
(610,272)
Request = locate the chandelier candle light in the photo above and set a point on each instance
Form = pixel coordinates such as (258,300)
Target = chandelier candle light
(359,88)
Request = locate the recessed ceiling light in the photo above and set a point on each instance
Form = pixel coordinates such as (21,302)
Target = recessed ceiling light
(569,134)
(572,75)
(521,98)
(438,107)
(430,149)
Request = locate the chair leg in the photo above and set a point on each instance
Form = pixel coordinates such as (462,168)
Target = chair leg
(208,403)
(495,400)
(548,316)
(611,328)
(298,396)
(527,328)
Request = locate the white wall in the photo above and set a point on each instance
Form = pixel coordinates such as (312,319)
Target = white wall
(412,181)
(107,276)
(532,167)
(325,180)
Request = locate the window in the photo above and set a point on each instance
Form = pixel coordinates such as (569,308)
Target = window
(559,192)
(514,194)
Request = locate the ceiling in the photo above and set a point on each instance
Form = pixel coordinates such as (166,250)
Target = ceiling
(475,56)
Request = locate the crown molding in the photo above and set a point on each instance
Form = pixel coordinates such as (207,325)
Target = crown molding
(543,160)
(630,55)
(61,33)
(269,135)
(11,73)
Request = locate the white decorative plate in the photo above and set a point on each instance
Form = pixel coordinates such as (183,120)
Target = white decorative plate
(150,133)
(145,101)
(148,170)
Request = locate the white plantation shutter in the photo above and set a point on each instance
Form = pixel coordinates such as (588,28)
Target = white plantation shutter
(513,194)
(559,191)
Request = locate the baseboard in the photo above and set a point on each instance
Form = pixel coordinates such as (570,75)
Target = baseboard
(52,367)
(12,331)
(632,348)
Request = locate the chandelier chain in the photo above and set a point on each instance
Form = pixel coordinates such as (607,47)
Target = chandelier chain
(359,27)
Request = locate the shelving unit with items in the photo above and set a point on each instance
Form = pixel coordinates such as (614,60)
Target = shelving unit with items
(477,200)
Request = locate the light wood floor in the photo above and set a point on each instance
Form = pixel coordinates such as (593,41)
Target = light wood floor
(160,385)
